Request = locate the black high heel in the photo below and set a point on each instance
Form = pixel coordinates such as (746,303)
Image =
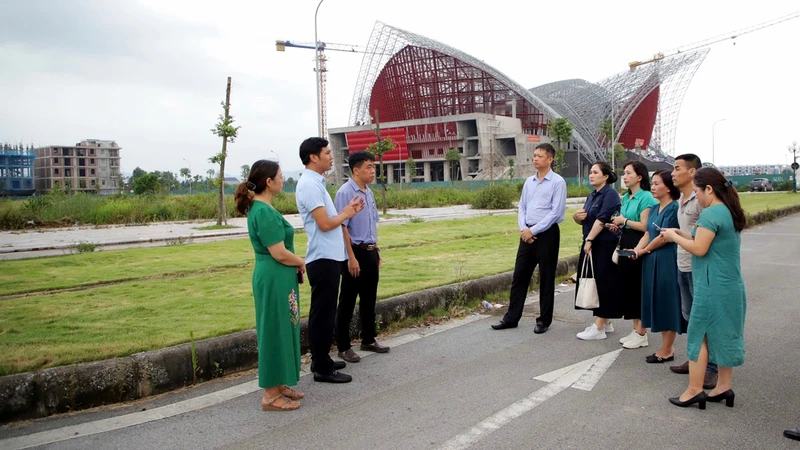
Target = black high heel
(699,398)
(728,396)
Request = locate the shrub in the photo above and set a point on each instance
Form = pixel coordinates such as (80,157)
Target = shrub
(497,196)
(784,185)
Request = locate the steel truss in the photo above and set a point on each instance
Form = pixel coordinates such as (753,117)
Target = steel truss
(419,77)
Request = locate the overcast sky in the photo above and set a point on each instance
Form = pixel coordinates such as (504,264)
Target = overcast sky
(150,74)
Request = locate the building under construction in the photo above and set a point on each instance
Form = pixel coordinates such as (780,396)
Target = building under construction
(431,97)
(90,166)
(16,170)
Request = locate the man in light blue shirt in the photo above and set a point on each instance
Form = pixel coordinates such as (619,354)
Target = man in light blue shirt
(541,209)
(325,255)
(364,260)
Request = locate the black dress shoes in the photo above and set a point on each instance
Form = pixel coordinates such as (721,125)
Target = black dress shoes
(540,328)
(728,396)
(503,325)
(334,377)
(792,433)
(337,365)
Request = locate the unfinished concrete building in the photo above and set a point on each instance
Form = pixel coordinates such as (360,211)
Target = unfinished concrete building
(16,170)
(91,166)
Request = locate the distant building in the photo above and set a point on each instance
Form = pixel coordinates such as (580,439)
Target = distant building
(232,181)
(91,165)
(16,170)
(757,169)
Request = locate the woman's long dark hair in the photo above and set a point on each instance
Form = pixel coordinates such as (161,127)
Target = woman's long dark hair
(725,192)
(255,184)
(606,169)
(666,178)
(639,169)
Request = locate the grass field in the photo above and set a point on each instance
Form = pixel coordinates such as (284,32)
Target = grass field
(91,306)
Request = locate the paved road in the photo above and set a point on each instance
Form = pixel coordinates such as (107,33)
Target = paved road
(466,386)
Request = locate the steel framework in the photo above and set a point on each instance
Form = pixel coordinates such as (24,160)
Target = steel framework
(408,76)
(412,77)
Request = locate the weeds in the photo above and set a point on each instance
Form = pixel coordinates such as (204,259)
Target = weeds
(84,247)
(194,358)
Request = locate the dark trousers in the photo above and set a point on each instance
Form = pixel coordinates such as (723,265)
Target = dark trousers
(544,253)
(323,275)
(366,288)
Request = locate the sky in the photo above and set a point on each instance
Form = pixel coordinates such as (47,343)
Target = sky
(151,74)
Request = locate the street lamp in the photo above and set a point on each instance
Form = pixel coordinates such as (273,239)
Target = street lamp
(316,70)
(713,132)
(277,158)
(190,172)
(795,166)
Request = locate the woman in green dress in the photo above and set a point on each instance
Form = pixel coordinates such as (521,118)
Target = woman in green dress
(716,324)
(275,287)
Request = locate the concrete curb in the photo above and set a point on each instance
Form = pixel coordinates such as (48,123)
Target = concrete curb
(81,386)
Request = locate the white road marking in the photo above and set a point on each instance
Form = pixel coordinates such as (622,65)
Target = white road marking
(583,375)
(193,404)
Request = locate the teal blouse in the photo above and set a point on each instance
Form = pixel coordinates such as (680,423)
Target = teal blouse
(632,207)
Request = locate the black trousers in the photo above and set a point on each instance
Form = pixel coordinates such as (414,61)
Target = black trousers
(366,288)
(323,275)
(544,253)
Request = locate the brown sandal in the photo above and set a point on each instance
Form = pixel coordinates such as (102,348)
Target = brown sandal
(288,405)
(291,394)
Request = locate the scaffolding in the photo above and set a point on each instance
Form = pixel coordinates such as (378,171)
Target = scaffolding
(16,170)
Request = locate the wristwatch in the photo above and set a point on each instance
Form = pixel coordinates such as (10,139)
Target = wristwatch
(589,240)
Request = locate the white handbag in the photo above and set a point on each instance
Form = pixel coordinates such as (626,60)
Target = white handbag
(587,297)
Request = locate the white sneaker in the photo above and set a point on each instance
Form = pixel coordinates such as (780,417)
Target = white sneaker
(591,333)
(609,328)
(636,341)
(628,337)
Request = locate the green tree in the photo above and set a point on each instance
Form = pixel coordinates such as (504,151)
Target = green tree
(147,184)
(186,174)
(245,171)
(620,155)
(561,130)
(137,172)
(511,163)
(290,182)
(378,149)
(453,158)
(411,169)
(224,129)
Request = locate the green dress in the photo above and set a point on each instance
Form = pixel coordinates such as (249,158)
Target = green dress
(276,297)
(720,303)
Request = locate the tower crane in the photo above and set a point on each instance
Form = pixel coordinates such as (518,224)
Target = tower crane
(714,40)
(321,79)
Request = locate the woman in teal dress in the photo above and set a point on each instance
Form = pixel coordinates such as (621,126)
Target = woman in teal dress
(716,324)
(275,287)
(661,301)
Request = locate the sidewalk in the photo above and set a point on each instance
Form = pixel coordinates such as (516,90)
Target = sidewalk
(58,241)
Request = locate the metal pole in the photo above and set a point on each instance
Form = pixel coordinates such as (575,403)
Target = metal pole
(316,71)
(713,134)
(793,149)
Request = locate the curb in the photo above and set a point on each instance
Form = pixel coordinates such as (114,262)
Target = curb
(87,385)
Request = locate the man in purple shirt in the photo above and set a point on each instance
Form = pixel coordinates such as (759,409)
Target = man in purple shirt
(364,260)
(541,209)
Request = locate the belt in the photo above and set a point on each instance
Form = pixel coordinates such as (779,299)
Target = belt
(366,246)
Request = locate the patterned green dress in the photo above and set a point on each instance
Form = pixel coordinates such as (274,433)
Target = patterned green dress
(720,303)
(276,298)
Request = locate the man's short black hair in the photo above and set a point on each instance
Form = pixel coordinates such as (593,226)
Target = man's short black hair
(311,146)
(692,160)
(356,159)
(548,148)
